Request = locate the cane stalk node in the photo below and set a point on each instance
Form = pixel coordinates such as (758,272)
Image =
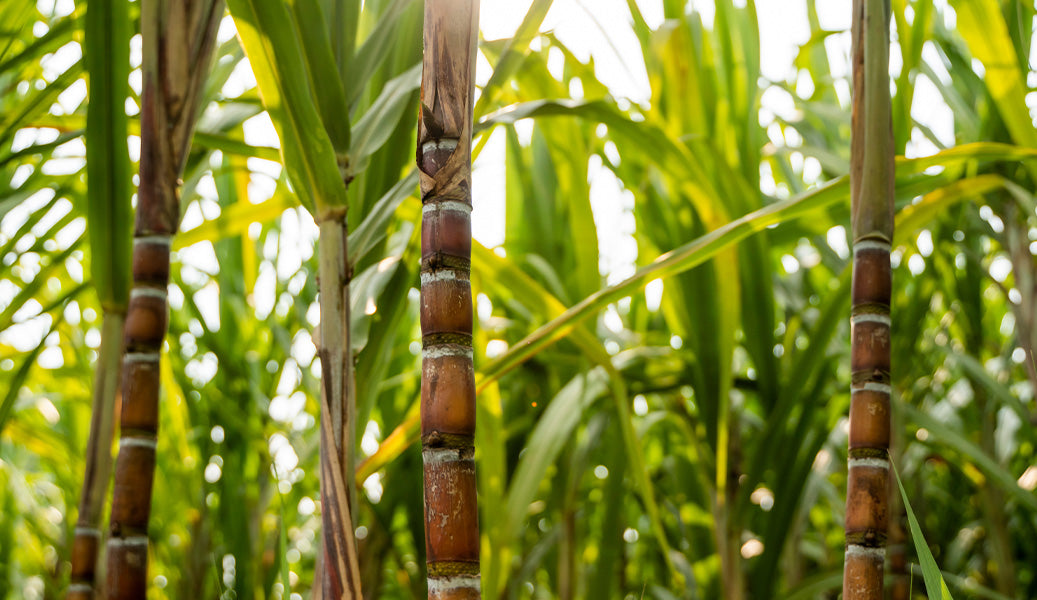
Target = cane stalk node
(860,378)
(865,453)
(452,441)
(870,308)
(441,260)
(448,337)
(868,538)
(452,568)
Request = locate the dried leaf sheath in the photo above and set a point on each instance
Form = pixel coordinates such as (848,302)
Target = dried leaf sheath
(340,573)
(178,38)
(871,176)
(448,380)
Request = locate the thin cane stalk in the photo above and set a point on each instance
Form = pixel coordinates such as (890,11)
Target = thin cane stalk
(871,197)
(106,47)
(340,575)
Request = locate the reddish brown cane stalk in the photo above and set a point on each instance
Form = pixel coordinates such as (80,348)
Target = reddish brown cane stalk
(871,183)
(178,38)
(448,377)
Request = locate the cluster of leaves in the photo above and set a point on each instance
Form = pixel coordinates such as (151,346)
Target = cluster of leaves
(681,441)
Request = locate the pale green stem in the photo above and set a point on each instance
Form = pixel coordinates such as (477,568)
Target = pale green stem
(102,421)
(335,347)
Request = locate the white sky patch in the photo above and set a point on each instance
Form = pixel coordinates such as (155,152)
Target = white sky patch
(654,294)
(488,192)
(783,28)
(285,458)
(369,441)
(836,238)
(612,207)
(59,61)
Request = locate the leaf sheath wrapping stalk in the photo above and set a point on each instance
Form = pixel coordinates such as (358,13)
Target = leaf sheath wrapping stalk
(871,197)
(178,39)
(86,545)
(106,53)
(340,574)
(448,376)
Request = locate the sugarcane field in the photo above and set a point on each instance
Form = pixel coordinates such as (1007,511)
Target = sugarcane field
(518,299)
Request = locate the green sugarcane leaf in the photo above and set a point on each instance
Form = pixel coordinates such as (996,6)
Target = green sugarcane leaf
(934,582)
(553,430)
(378,123)
(815,586)
(375,225)
(610,550)
(15,198)
(998,475)
(490,439)
(235,220)
(975,371)
(37,103)
(680,260)
(273,48)
(43,149)
(513,54)
(915,217)
(965,153)
(343,17)
(676,261)
(325,83)
(365,290)
(15,16)
(18,380)
(58,35)
(109,214)
(36,285)
(972,588)
(374,51)
(983,26)
(228,145)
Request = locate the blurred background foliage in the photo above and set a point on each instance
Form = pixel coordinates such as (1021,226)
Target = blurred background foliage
(686,439)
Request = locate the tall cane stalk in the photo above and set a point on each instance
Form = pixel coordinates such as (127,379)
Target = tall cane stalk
(107,48)
(178,38)
(871,192)
(448,379)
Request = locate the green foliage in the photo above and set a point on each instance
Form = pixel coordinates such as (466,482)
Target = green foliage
(106,51)
(669,425)
(934,582)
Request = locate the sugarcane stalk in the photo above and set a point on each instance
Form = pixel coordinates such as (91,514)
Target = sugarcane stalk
(448,376)
(871,189)
(87,534)
(178,38)
(340,573)
(106,52)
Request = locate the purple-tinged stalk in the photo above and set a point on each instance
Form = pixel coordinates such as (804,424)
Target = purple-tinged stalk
(448,377)
(178,38)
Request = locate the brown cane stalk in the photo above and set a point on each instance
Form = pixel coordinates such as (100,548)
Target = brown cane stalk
(87,540)
(871,192)
(178,38)
(448,376)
